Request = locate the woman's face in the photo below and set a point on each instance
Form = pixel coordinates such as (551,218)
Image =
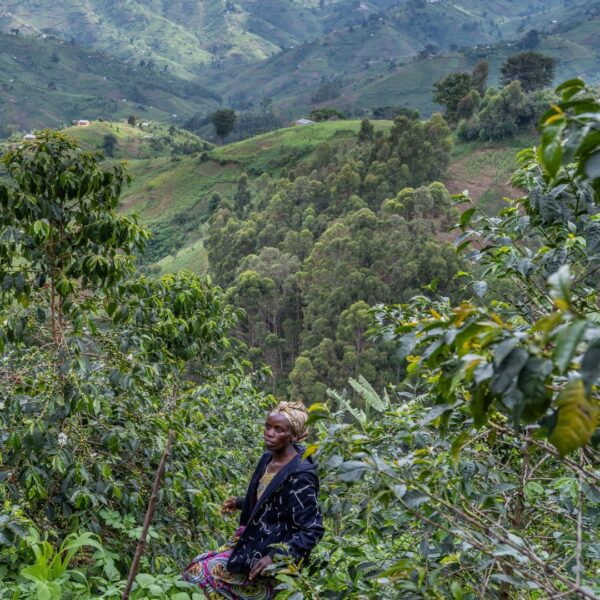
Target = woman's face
(278,433)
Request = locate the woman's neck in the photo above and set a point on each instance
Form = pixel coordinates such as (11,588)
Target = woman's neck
(285,455)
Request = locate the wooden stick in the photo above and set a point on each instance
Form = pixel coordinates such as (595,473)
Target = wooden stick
(149,514)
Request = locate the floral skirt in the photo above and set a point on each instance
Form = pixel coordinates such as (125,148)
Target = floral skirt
(209,572)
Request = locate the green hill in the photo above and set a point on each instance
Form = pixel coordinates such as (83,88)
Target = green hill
(143,141)
(181,58)
(182,35)
(375,65)
(173,194)
(188,37)
(46,82)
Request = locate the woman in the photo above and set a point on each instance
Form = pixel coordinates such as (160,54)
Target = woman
(280,515)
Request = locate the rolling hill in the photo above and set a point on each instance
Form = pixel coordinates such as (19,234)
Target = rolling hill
(46,82)
(173,194)
(189,37)
(375,64)
(143,141)
(185,58)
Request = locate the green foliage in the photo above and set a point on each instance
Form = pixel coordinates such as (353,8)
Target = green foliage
(502,114)
(109,141)
(367,131)
(513,356)
(419,504)
(303,254)
(86,349)
(450,91)
(325,114)
(532,69)
(223,121)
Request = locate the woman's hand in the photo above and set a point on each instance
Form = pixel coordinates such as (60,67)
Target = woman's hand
(260,566)
(228,506)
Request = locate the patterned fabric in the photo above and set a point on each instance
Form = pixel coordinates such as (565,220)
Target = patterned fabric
(297,416)
(263,484)
(209,572)
(285,520)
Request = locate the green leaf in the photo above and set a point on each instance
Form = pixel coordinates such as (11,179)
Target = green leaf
(144,580)
(532,383)
(480,288)
(577,418)
(570,87)
(590,364)
(364,389)
(458,444)
(566,342)
(560,284)
(352,470)
(508,370)
(466,217)
(550,151)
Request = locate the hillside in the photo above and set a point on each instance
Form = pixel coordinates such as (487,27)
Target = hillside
(49,82)
(375,65)
(180,35)
(188,37)
(173,195)
(184,59)
(143,141)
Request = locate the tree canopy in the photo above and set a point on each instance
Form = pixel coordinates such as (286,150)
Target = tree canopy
(532,69)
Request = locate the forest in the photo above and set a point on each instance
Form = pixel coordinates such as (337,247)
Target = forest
(449,359)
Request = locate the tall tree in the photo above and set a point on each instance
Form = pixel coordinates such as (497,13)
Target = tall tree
(532,69)
(223,121)
(450,91)
(479,76)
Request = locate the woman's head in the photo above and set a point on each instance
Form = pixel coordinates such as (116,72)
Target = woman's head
(285,425)
(297,416)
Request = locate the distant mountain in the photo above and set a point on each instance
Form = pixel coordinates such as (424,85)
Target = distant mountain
(160,58)
(378,64)
(189,36)
(49,82)
(181,34)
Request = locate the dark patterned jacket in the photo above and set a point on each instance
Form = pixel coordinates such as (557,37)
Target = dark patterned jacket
(287,512)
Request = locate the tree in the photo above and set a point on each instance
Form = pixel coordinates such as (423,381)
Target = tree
(367,131)
(531,40)
(223,121)
(132,120)
(532,69)
(324,114)
(391,112)
(109,143)
(479,76)
(450,91)
(86,344)
(242,194)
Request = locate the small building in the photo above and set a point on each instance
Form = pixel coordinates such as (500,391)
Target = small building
(81,123)
(29,136)
(304,122)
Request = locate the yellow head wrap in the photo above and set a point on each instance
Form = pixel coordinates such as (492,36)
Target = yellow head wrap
(297,416)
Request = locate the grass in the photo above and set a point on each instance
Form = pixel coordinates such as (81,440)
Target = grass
(191,258)
(485,169)
(272,151)
(145,140)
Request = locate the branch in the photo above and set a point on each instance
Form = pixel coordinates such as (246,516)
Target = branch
(148,520)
